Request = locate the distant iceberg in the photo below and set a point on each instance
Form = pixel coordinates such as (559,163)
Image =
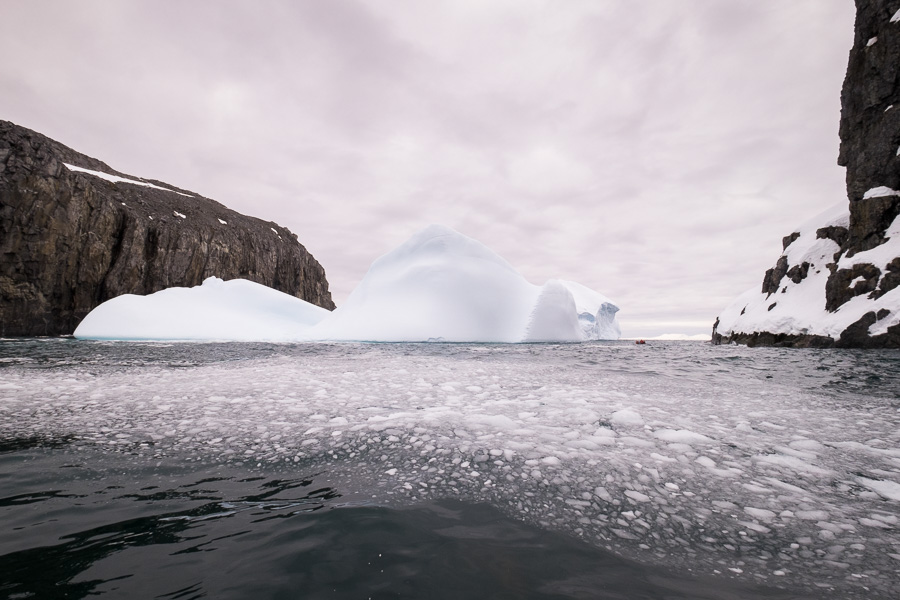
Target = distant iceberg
(438,286)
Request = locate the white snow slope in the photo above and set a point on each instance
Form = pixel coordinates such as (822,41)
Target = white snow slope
(799,308)
(438,286)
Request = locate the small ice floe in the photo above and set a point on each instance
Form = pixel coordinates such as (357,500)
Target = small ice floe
(681,436)
(871,41)
(626,418)
(886,489)
(759,513)
(178,214)
(896,17)
(223,222)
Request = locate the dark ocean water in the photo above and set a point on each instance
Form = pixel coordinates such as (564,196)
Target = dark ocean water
(674,470)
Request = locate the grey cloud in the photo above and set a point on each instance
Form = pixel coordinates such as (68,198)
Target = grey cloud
(657,151)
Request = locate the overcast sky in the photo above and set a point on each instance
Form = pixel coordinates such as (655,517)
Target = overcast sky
(656,151)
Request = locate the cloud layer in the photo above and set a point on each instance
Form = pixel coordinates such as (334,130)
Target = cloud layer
(655,151)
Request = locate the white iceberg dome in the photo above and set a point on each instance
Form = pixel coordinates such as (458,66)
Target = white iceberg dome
(443,285)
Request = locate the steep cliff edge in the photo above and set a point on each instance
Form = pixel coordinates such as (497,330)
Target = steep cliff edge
(74,233)
(836,283)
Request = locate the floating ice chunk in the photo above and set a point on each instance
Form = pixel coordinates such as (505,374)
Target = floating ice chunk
(884,488)
(896,17)
(664,459)
(791,462)
(874,523)
(602,493)
(223,222)
(710,465)
(494,421)
(757,489)
(755,527)
(889,519)
(216,310)
(626,418)
(811,445)
(630,440)
(811,515)
(637,496)
(178,214)
(871,41)
(759,513)
(681,436)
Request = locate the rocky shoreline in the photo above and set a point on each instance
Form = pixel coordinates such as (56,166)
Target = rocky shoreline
(837,282)
(75,232)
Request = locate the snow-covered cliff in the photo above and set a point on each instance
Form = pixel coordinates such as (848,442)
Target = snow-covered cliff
(820,295)
(836,282)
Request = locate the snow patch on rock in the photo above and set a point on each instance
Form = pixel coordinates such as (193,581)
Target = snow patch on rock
(117,179)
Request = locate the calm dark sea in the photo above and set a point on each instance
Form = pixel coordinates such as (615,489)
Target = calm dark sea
(607,470)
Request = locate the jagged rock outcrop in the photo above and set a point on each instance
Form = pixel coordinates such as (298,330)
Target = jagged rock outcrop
(70,240)
(836,283)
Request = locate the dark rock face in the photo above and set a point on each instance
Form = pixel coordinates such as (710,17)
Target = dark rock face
(789,239)
(773,277)
(798,273)
(891,278)
(870,149)
(845,284)
(870,121)
(838,235)
(71,240)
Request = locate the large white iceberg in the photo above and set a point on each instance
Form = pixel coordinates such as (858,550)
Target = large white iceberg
(235,310)
(438,286)
(442,285)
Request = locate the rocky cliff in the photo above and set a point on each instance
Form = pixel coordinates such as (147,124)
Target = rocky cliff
(836,283)
(74,233)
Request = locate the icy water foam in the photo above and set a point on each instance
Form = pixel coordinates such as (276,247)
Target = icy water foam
(755,466)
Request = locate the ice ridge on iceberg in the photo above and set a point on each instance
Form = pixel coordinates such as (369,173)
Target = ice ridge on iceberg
(438,285)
